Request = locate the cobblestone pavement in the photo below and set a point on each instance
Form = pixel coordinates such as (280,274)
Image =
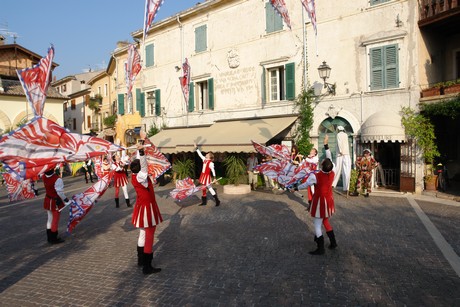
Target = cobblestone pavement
(250,251)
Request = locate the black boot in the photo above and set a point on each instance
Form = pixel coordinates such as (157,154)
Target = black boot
(140,255)
(148,268)
(127,202)
(204,200)
(331,236)
(217,200)
(55,239)
(117,203)
(320,247)
(49,236)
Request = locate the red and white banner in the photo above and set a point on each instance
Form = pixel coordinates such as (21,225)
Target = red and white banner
(309,6)
(151,9)
(280,7)
(35,81)
(18,189)
(132,67)
(185,80)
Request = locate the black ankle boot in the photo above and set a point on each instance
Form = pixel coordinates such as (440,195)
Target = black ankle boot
(127,202)
(204,200)
(331,236)
(140,255)
(49,236)
(320,247)
(55,239)
(217,200)
(117,203)
(148,268)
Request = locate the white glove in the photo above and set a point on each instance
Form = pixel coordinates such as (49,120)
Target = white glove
(68,202)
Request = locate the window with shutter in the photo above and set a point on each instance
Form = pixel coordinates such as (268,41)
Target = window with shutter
(211,93)
(375,2)
(191,98)
(273,20)
(149,55)
(121,104)
(142,105)
(384,67)
(290,81)
(200,39)
(157,103)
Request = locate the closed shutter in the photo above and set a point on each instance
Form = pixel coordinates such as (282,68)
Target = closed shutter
(138,100)
(376,62)
(211,93)
(384,67)
(142,105)
(149,55)
(290,81)
(191,98)
(200,39)
(157,103)
(121,104)
(391,67)
(273,20)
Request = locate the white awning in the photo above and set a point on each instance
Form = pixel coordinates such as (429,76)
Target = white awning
(223,136)
(383,126)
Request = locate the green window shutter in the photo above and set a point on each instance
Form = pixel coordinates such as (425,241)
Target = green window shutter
(149,55)
(142,105)
(264,87)
(121,104)
(391,67)
(157,103)
(138,99)
(191,98)
(200,39)
(273,20)
(289,70)
(374,2)
(211,93)
(376,63)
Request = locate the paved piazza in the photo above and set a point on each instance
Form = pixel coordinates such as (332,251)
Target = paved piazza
(394,250)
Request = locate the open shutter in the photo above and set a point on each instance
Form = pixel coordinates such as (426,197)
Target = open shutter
(149,55)
(121,104)
(142,105)
(391,67)
(376,62)
(290,81)
(211,93)
(138,100)
(191,98)
(157,103)
(264,87)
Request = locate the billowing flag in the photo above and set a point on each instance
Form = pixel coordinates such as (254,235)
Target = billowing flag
(280,7)
(156,161)
(309,6)
(82,203)
(35,82)
(151,9)
(41,144)
(185,188)
(132,67)
(18,188)
(185,80)
(276,151)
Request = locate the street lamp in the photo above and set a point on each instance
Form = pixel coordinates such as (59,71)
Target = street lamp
(324,72)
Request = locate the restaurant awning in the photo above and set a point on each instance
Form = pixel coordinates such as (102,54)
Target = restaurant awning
(383,126)
(223,136)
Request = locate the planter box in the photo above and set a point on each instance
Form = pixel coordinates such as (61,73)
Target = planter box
(237,189)
(431,182)
(434,91)
(453,89)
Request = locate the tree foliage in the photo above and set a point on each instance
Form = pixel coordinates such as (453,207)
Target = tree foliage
(449,108)
(235,169)
(304,103)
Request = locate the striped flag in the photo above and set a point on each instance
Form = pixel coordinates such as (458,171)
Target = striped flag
(156,161)
(18,188)
(185,80)
(132,67)
(41,144)
(309,6)
(151,9)
(280,7)
(35,82)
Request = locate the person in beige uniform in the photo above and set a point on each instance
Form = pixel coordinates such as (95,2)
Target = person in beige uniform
(343,160)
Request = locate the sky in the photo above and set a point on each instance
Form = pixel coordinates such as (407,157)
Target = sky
(84,32)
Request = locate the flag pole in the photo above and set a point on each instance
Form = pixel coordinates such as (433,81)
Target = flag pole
(304,30)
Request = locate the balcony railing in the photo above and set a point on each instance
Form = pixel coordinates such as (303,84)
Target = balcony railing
(431,8)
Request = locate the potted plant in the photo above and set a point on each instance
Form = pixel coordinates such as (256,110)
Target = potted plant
(184,168)
(235,170)
(421,129)
(452,87)
(435,90)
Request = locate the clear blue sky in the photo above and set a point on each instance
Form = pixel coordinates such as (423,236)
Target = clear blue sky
(83,32)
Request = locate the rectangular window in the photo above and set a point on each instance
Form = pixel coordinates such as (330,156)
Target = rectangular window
(73,105)
(151,103)
(64,88)
(149,55)
(74,124)
(276,83)
(99,90)
(130,105)
(204,95)
(65,106)
(88,121)
(106,91)
(375,2)
(273,20)
(280,81)
(200,38)
(384,67)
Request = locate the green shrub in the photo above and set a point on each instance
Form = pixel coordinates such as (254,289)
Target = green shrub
(184,168)
(235,169)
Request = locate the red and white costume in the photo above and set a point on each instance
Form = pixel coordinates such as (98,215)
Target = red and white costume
(119,176)
(54,200)
(205,177)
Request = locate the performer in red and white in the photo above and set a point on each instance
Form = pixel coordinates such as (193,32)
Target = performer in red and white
(120,180)
(322,207)
(146,214)
(313,159)
(55,199)
(205,177)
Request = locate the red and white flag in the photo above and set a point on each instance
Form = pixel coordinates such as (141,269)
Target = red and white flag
(132,67)
(82,203)
(185,188)
(18,189)
(151,9)
(280,7)
(309,6)
(185,80)
(41,144)
(156,161)
(35,81)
